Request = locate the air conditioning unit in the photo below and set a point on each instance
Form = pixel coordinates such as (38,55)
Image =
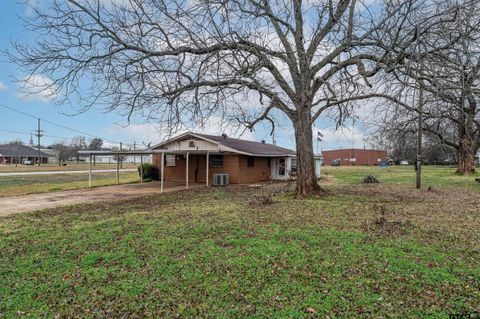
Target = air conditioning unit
(221,180)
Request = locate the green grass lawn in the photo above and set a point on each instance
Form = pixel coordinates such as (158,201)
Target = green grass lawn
(70,166)
(23,185)
(435,176)
(218,253)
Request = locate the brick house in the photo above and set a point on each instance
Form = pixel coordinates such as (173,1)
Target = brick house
(19,154)
(359,156)
(195,158)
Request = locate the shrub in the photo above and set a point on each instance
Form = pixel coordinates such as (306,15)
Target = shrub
(370,179)
(149,171)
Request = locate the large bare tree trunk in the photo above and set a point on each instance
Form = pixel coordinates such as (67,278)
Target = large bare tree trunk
(466,156)
(466,149)
(306,178)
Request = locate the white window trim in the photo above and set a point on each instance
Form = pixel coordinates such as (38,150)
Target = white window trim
(170,160)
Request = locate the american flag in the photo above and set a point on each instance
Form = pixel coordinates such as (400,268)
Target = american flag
(319,136)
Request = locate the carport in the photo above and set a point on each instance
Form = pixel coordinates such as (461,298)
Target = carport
(142,153)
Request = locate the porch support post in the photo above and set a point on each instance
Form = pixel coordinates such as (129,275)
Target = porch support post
(161,172)
(186,171)
(141,168)
(90,170)
(117,173)
(208,156)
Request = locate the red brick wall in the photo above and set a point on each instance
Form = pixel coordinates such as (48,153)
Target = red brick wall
(363,157)
(233,165)
(260,172)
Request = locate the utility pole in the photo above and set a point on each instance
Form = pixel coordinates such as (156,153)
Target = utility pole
(418,166)
(38,135)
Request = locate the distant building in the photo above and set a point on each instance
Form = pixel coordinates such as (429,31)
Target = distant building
(21,154)
(52,154)
(354,156)
(128,159)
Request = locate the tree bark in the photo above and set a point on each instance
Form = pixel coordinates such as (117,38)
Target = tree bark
(306,178)
(466,156)
(466,149)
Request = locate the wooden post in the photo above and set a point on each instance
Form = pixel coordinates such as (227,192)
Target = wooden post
(186,171)
(208,155)
(161,172)
(90,170)
(117,173)
(141,168)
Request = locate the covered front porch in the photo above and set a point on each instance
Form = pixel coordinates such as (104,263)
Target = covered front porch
(184,175)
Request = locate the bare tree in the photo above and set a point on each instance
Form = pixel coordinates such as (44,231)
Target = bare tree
(95,144)
(63,151)
(399,139)
(78,143)
(181,61)
(450,77)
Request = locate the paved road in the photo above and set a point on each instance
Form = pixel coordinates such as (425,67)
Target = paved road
(65,172)
(34,202)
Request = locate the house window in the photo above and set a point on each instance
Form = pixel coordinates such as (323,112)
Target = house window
(216,160)
(191,144)
(293,165)
(170,159)
(250,161)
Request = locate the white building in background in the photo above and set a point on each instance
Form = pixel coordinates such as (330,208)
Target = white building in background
(111,159)
(53,155)
(477,158)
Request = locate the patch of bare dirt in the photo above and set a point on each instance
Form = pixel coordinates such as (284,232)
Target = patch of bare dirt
(385,225)
(447,211)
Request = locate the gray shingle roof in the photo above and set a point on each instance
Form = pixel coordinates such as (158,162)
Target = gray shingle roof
(251,147)
(17,150)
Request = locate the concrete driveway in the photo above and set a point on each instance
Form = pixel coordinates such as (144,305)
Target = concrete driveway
(27,203)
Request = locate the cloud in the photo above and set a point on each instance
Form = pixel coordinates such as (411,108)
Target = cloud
(344,137)
(3,86)
(37,87)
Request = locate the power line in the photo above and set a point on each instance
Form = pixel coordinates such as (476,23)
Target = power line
(29,133)
(16,132)
(58,125)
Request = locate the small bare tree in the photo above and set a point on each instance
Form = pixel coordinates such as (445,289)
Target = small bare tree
(182,61)
(78,143)
(63,151)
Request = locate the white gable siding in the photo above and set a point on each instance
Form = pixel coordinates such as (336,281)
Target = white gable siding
(184,145)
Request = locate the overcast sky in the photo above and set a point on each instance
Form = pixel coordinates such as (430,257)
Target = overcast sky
(110,126)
